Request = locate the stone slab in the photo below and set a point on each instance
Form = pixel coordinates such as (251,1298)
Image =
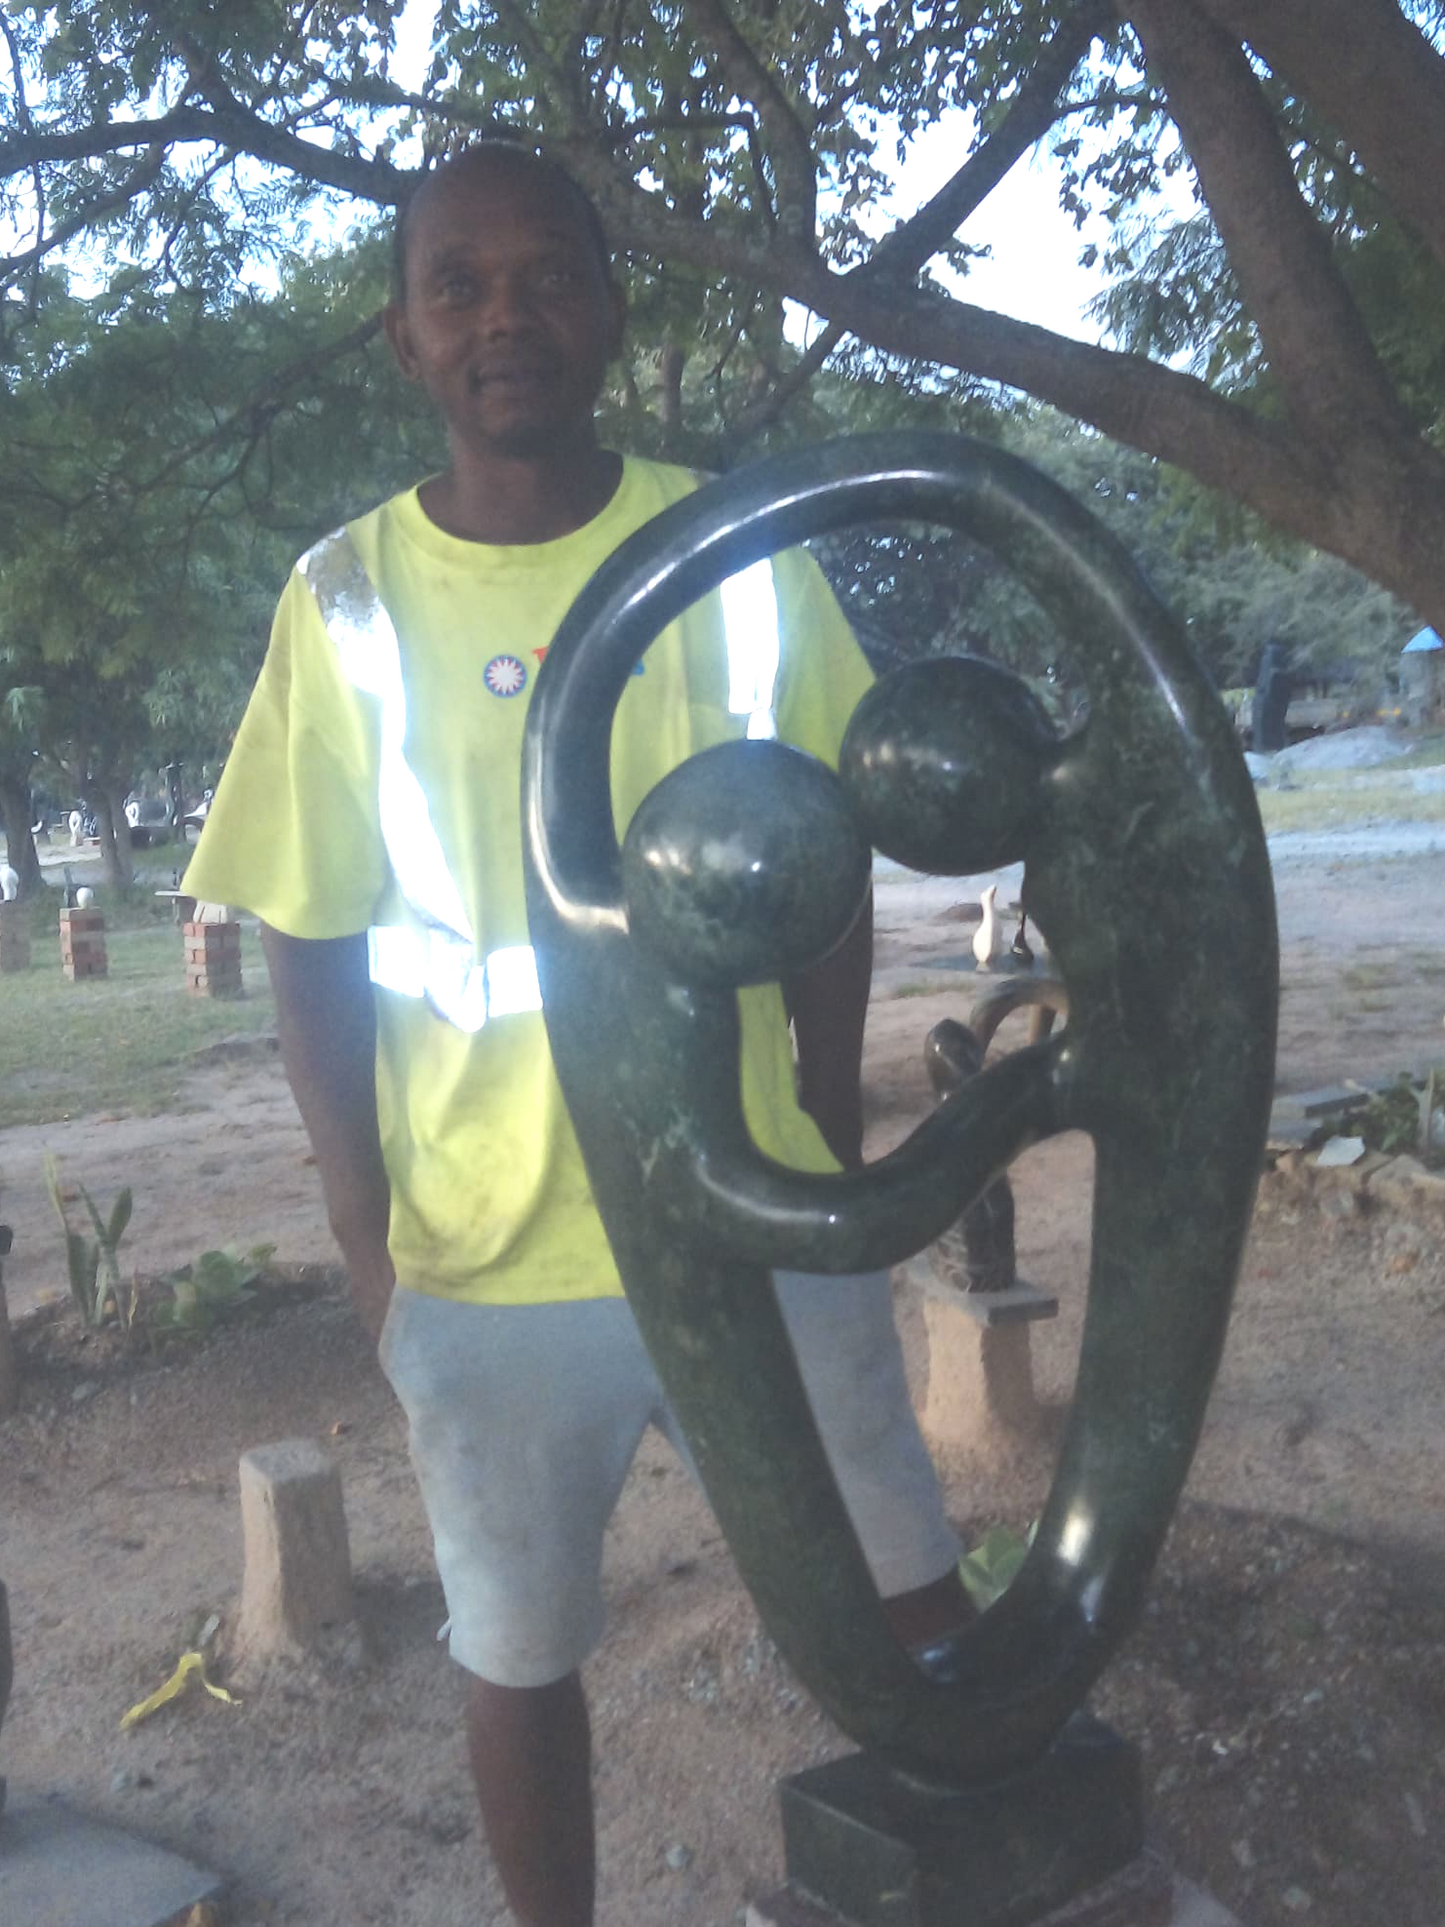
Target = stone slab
(58,1868)
(1323,1102)
(1292,1132)
(1017,1304)
(1187,1906)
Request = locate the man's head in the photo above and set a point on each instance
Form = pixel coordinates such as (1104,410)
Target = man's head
(504,306)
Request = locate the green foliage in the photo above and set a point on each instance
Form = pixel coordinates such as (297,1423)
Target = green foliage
(991,1568)
(217,1284)
(192,386)
(1402,1120)
(91,1263)
(1391,1120)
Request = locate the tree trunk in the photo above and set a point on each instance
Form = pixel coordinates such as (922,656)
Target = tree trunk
(19,842)
(108,800)
(670,365)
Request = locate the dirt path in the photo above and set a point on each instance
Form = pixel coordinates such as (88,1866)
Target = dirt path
(1288,1682)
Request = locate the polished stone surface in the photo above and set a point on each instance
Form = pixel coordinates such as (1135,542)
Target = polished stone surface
(1146,874)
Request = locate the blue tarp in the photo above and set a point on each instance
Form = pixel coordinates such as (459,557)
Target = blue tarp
(1422,639)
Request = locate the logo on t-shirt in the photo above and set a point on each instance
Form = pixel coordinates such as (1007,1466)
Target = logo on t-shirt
(505,676)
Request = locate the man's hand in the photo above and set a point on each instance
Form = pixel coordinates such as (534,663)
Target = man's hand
(372,1278)
(326,1026)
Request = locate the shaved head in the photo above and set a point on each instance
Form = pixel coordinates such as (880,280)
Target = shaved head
(499,159)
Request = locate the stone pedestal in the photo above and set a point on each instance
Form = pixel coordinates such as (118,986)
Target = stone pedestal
(82,943)
(213,959)
(876,1850)
(297,1583)
(14,937)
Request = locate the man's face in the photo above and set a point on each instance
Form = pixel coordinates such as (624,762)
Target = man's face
(509,319)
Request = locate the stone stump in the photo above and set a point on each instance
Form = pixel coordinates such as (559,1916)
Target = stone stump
(297,1584)
(213,959)
(14,937)
(82,943)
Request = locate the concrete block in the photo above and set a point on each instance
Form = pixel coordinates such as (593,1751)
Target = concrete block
(297,1583)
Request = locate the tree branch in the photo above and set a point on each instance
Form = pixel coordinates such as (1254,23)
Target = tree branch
(1156,409)
(1319,350)
(228,124)
(256,414)
(1031,113)
(144,176)
(1374,75)
(762,414)
(794,168)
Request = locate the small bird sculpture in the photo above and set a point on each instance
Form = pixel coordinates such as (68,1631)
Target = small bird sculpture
(84,897)
(1020,947)
(988,938)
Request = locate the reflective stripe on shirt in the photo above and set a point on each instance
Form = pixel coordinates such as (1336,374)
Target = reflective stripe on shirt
(750,624)
(436,958)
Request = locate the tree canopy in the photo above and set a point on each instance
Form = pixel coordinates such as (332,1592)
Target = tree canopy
(1280,342)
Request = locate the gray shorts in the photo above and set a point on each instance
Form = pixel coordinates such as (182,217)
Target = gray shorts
(524,1420)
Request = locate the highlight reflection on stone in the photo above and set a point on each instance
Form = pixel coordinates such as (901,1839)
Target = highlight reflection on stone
(744,865)
(945,761)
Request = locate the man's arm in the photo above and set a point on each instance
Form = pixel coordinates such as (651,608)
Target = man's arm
(828,1006)
(326,1025)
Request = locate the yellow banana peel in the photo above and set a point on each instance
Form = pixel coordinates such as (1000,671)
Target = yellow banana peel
(190,1665)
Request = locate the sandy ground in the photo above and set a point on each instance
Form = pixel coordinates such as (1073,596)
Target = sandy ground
(1286,1683)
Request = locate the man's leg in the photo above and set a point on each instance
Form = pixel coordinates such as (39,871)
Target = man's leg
(851,1362)
(928,1614)
(523,1421)
(531,1756)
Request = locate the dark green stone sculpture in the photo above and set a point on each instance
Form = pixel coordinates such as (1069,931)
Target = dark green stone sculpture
(1147,874)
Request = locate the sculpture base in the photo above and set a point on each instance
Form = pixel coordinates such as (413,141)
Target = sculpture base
(876,1850)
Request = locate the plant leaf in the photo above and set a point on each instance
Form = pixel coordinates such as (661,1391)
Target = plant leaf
(119,1218)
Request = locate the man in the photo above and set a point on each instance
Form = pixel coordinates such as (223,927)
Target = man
(370,816)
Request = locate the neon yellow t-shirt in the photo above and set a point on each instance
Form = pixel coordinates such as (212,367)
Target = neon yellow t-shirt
(489,1198)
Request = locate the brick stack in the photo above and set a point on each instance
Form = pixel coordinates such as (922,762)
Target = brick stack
(213,959)
(14,937)
(82,943)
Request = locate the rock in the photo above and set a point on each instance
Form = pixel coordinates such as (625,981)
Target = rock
(678,1857)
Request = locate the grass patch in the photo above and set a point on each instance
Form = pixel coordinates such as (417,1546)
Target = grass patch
(1322,803)
(122,1042)
(1370,977)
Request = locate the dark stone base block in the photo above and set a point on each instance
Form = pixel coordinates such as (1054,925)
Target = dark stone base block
(877,1850)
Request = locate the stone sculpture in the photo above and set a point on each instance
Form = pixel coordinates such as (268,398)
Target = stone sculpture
(1146,873)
